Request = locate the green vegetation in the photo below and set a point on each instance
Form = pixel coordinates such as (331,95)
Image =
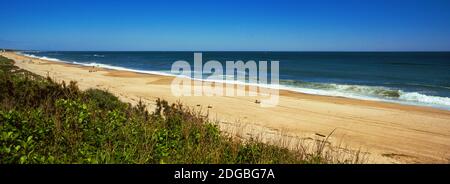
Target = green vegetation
(42,121)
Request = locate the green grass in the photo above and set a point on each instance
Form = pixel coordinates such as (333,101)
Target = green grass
(42,121)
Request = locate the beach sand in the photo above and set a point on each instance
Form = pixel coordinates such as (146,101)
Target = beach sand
(387,132)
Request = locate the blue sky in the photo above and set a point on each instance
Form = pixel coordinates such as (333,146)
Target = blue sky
(359,25)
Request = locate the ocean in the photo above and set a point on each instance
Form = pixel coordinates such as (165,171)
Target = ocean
(413,78)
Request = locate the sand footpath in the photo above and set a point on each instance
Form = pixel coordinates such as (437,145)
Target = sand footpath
(388,132)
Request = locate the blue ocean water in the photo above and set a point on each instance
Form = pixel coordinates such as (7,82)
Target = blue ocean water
(415,78)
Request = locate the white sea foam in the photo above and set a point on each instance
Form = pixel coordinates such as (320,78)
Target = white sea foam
(373,93)
(39,57)
(106,66)
(421,98)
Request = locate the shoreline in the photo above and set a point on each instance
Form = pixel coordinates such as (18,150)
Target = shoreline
(284,91)
(281,87)
(390,132)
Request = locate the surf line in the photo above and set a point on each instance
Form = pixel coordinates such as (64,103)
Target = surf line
(252,75)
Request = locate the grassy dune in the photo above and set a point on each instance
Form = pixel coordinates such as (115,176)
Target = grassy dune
(42,121)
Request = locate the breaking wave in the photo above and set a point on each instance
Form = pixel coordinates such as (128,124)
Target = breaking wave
(379,93)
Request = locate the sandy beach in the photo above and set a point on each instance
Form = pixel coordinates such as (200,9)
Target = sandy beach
(387,132)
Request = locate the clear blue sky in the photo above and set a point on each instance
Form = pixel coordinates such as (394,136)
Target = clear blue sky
(359,25)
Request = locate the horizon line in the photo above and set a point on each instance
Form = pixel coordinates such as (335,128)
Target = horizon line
(223,50)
